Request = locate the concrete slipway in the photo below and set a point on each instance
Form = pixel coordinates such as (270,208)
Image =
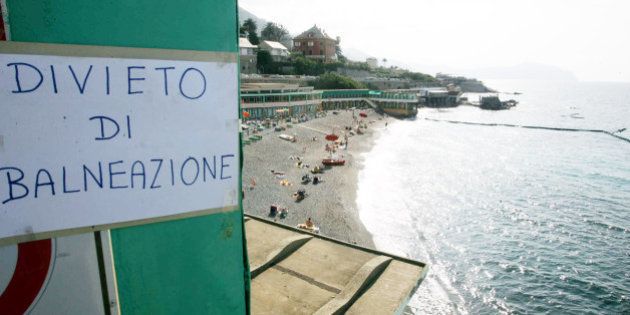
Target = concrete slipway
(295,272)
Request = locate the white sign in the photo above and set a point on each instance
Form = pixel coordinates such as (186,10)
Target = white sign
(98,141)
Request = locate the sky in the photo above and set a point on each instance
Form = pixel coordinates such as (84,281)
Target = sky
(590,38)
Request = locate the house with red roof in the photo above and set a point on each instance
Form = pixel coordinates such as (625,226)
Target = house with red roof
(316,44)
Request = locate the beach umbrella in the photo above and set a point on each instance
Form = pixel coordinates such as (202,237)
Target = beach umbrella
(246,114)
(332,137)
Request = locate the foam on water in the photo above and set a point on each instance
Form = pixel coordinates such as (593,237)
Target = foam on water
(509,220)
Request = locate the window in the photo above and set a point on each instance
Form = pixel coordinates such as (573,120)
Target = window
(297,44)
(310,44)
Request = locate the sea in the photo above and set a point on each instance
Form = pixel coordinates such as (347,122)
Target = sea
(509,220)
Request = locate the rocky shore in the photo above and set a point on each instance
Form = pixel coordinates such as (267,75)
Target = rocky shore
(332,203)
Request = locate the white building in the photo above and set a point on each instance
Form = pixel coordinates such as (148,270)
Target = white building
(247,55)
(278,51)
(372,62)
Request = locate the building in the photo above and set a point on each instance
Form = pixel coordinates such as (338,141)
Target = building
(316,44)
(282,100)
(399,103)
(277,51)
(247,55)
(275,100)
(372,62)
(439,97)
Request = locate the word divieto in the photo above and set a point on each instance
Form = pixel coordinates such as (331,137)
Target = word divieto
(189,82)
(158,173)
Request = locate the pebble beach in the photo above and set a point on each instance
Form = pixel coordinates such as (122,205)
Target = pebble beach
(332,203)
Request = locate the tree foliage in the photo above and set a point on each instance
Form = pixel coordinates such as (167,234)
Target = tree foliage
(419,77)
(357,65)
(334,81)
(265,62)
(250,27)
(340,55)
(306,66)
(274,32)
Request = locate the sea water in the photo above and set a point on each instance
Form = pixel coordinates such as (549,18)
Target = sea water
(509,220)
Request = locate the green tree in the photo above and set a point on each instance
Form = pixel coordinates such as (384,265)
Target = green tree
(274,32)
(334,81)
(305,66)
(340,55)
(252,31)
(265,62)
(242,31)
(419,77)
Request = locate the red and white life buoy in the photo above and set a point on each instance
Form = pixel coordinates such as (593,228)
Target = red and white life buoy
(24,272)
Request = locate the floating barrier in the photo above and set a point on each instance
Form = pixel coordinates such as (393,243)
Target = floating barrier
(530,127)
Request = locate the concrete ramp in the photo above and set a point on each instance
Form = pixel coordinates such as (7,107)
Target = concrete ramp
(371,103)
(294,272)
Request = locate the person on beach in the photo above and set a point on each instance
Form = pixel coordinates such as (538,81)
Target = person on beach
(309,223)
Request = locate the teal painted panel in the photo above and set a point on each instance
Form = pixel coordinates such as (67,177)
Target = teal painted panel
(189,24)
(191,266)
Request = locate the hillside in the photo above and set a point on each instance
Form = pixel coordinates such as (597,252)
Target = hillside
(244,15)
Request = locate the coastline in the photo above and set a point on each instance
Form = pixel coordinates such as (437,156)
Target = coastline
(332,203)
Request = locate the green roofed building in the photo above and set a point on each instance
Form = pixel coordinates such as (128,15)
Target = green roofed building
(275,100)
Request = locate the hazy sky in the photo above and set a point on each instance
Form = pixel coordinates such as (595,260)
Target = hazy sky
(591,38)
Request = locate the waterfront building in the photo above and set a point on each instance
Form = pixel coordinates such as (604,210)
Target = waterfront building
(277,51)
(275,100)
(398,103)
(439,97)
(247,55)
(316,44)
(344,99)
(282,100)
